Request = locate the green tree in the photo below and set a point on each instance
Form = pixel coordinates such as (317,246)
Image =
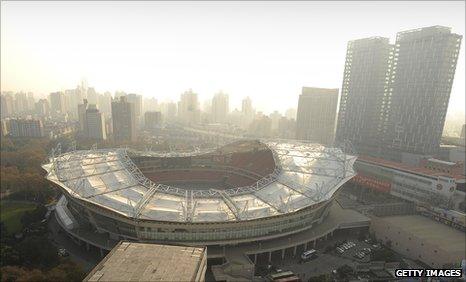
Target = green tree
(38,251)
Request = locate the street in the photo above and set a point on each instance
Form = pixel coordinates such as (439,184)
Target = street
(79,254)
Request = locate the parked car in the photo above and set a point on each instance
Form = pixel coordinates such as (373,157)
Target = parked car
(63,252)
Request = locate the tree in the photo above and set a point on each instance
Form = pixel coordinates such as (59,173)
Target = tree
(66,271)
(9,255)
(38,251)
(383,255)
(320,278)
(33,216)
(12,273)
(344,271)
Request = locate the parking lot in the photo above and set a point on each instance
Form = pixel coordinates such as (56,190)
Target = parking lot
(328,258)
(357,247)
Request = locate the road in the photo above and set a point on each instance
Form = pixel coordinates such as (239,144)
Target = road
(79,254)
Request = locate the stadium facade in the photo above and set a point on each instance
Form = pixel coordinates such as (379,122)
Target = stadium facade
(246,191)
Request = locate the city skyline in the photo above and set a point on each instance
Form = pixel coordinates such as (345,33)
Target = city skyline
(220,45)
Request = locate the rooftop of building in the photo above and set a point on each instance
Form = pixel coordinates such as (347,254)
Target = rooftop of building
(431,232)
(409,168)
(130,261)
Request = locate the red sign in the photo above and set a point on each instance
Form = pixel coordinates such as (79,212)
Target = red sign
(372,183)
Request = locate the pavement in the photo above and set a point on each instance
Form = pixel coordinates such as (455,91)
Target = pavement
(78,254)
(325,262)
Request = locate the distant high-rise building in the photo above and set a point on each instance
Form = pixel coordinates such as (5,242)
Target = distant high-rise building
(21,103)
(247,112)
(42,108)
(246,106)
(420,83)
(92,96)
(57,103)
(82,108)
(317,110)
(275,118)
(150,105)
(137,101)
(30,102)
(463,131)
(95,123)
(261,126)
(7,105)
(287,128)
(220,107)
(291,113)
(105,104)
(124,120)
(72,102)
(364,86)
(152,120)
(188,108)
(118,94)
(26,128)
(169,110)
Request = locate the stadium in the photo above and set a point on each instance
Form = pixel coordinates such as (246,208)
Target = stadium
(245,191)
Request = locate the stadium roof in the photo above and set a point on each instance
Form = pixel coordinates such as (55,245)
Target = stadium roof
(305,174)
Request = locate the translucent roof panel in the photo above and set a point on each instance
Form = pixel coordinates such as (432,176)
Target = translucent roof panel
(304,174)
(212,210)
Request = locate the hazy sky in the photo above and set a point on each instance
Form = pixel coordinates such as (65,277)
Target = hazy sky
(265,50)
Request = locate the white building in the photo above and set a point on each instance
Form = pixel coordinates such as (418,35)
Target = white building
(220,107)
(188,108)
(26,128)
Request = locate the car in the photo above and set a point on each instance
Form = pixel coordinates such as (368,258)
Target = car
(307,255)
(367,250)
(340,250)
(63,252)
(359,255)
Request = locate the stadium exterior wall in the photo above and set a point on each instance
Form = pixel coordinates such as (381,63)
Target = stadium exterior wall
(208,233)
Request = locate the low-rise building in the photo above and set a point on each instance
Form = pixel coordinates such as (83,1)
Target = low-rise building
(433,182)
(129,261)
(26,128)
(421,238)
(152,120)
